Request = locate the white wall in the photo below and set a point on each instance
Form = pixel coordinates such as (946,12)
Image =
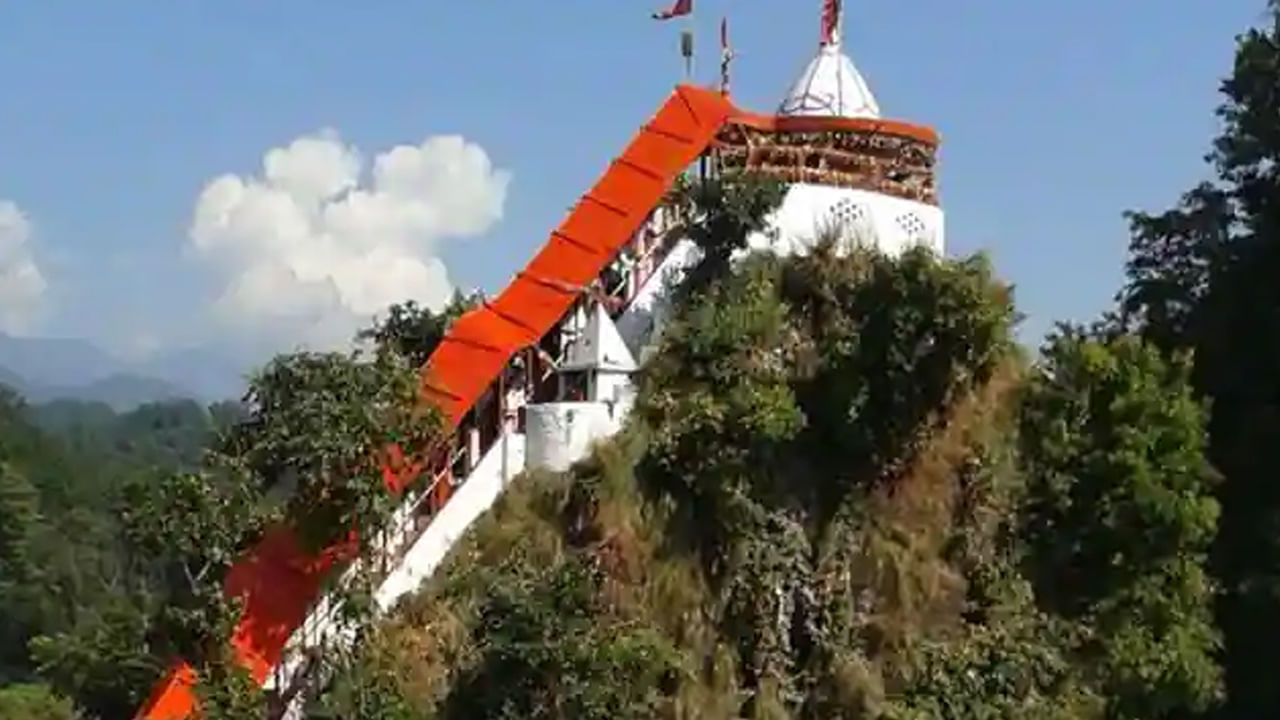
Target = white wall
(891,223)
(643,318)
(559,434)
(505,460)
(614,387)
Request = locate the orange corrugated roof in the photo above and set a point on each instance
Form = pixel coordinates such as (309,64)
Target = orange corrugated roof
(278,580)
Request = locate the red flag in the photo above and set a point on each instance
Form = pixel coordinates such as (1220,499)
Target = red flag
(677,9)
(830,21)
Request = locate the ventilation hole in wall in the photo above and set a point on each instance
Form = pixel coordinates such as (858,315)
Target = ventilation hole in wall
(848,214)
(913,226)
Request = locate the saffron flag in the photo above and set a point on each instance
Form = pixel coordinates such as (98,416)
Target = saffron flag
(677,9)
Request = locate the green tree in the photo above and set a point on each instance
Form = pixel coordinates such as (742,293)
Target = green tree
(227,414)
(20,591)
(103,659)
(1201,277)
(53,474)
(19,520)
(1120,516)
(999,671)
(68,614)
(172,434)
(719,214)
(189,528)
(226,691)
(549,651)
(787,390)
(34,702)
(365,686)
(894,340)
(412,331)
(316,436)
(305,447)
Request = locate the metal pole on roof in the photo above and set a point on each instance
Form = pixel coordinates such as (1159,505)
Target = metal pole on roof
(686,43)
(686,50)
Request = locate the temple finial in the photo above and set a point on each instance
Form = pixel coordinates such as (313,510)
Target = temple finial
(830,85)
(831,22)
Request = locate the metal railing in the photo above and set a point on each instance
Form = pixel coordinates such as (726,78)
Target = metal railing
(322,625)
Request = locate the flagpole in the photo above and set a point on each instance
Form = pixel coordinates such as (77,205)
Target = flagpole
(686,46)
(726,54)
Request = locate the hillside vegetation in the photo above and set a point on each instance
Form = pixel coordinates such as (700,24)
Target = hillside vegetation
(844,494)
(74,599)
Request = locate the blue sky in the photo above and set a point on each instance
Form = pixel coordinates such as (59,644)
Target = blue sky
(1055,117)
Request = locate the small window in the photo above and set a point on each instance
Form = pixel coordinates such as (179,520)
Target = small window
(575,386)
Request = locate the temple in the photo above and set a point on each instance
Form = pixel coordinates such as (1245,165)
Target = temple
(859,180)
(537,374)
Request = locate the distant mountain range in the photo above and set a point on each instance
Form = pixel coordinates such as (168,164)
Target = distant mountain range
(44,369)
(120,392)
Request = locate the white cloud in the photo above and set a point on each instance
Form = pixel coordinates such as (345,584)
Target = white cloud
(315,245)
(22,285)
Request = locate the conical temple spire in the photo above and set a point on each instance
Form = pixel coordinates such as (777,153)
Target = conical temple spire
(599,347)
(830,85)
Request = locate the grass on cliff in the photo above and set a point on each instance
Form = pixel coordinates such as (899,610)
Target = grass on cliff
(912,560)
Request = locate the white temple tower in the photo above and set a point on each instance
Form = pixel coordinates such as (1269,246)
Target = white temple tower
(848,168)
(595,395)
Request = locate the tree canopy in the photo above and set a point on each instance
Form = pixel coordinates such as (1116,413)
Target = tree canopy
(1201,280)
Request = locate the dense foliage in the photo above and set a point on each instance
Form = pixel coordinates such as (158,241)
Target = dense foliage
(34,702)
(843,494)
(117,531)
(74,601)
(412,331)
(1120,518)
(1201,279)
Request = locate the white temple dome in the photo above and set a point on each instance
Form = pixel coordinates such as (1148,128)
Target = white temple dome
(830,86)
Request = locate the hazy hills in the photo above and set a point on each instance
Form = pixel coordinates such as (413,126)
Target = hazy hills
(45,369)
